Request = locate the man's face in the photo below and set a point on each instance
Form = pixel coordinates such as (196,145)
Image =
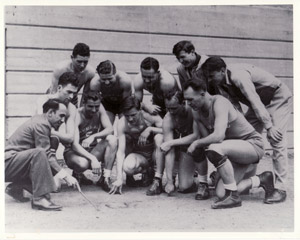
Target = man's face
(149,76)
(91,107)
(186,59)
(132,115)
(66,92)
(173,106)
(107,79)
(195,99)
(56,118)
(79,63)
(216,77)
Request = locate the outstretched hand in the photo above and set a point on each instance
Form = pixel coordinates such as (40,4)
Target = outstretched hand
(116,187)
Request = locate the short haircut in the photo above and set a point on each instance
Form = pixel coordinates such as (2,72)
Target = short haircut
(92,95)
(106,67)
(186,46)
(81,49)
(196,83)
(51,104)
(212,64)
(130,102)
(68,77)
(150,63)
(174,93)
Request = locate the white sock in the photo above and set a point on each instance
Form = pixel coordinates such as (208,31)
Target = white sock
(202,178)
(106,173)
(231,186)
(255,181)
(158,175)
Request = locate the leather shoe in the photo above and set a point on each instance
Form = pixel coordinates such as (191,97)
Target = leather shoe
(231,200)
(267,183)
(16,193)
(203,192)
(155,188)
(45,204)
(104,183)
(82,179)
(276,197)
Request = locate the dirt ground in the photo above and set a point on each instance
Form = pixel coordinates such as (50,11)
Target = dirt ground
(135,212)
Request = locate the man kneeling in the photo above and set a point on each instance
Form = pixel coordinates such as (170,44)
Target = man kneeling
(140,135)
(232,143)
(92,124)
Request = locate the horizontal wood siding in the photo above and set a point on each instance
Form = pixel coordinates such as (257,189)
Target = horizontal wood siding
(38,37)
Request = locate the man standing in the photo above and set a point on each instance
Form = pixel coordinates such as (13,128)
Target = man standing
(178,132)
(231,143)
(78,65)
(189,59)
(270,106)
(156,81)
(92,124)
(28,158)
(139,135)
(114,87)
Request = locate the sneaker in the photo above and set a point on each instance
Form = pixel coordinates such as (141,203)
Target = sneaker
(230,200)
(82,179)
(203,192)
(156,187)
(277,196)
(104,183)
(16,193)
(267,183)
(147,178)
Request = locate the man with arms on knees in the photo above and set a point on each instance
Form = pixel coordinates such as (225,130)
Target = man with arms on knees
(156,81)
(270,106)
(78,65)
(139,135)
(92,124)
(66,88)
(178,131)
(29,159)
(190,61)
(114,87)
(231,143)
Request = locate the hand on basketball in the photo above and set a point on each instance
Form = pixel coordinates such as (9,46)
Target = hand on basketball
(116,187)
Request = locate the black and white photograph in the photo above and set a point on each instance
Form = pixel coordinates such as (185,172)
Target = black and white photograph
(149,119)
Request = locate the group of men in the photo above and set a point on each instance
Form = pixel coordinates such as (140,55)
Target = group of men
(190,121)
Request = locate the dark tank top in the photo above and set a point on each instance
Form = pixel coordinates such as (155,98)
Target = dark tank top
(184,126)
(239,128)
(112,93)
(133,133)
(89,126)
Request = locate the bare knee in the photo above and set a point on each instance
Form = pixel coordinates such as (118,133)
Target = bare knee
(112,141)
(216,148)
(130,165)
(158,140)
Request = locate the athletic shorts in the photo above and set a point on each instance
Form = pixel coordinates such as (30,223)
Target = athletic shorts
(113,108)
(257,142)
(146,151)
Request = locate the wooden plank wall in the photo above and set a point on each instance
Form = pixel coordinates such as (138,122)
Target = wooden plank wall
(37,37)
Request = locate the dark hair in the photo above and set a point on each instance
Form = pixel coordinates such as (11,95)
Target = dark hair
(183,46)
(51,104)
(106,67)
(81,49)
(196,84)
(68,77)
(212,64)
(174,93)
(93,95)
(130,102)
(150,63)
